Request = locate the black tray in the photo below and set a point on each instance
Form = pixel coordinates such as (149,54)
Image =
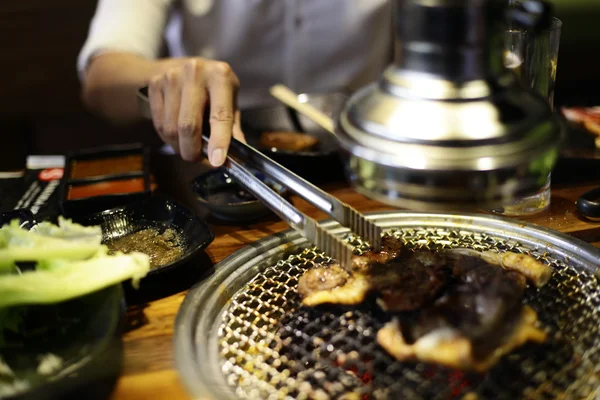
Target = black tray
(107,152)
(85,206)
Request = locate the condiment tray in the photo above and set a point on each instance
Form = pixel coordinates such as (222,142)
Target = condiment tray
(99,179)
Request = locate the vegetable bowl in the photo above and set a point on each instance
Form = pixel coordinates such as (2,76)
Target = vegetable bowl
(61,310)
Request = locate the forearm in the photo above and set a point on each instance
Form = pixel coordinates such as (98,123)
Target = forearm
(111,83)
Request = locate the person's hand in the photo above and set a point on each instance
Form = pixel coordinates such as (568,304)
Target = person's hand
(178,99)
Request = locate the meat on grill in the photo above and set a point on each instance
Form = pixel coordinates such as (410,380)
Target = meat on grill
(391,248)
(324,277)
(416,280)
(535,271)
(450,348)
(404,281)
(466,306)
(472,325)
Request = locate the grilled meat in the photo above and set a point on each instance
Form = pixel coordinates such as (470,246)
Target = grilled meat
(472,325)
(416,280)
(404,281)
(466,306)
(538,273)
(449,347)
(391,248)
(322,278)
(358,283)
(353,292)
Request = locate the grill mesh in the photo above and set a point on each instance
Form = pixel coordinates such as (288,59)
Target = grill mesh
(272,348)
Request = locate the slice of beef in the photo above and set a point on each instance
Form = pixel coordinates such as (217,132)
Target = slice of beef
(483,305)
(320,278)
(417,279)
(391,248)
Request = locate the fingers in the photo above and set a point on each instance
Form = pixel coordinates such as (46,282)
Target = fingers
(193,102)
(178,99)
(157,106)
(237,128)
(172,98)
(222,87)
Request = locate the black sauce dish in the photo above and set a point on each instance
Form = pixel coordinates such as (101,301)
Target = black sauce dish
(85,333)
(228,201)
(159,213)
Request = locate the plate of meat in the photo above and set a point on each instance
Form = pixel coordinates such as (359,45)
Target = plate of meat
(294,140)
(453,307)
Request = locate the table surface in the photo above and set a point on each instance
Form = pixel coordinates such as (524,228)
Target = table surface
(149,369)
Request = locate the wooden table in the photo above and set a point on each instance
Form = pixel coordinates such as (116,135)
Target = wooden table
(149,370)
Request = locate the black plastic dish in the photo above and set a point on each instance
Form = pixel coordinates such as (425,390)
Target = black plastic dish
(108,152)
(80,207)
(157,212)
(85,206)
(218,192)
(84,332)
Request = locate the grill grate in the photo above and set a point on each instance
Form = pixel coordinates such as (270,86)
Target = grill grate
(272,348)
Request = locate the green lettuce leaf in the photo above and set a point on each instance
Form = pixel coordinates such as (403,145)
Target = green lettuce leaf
(70,261)
(59,280)
(50,242)
(68,230)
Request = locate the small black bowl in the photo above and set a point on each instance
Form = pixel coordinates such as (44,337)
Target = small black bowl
(154,212)
(227,200)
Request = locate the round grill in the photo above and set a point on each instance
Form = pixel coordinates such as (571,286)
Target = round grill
(267,346)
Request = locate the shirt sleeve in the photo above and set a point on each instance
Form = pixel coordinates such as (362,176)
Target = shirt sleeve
(134,26)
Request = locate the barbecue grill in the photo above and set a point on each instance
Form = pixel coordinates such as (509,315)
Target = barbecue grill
(244,334)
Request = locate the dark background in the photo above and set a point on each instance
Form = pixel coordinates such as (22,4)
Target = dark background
(40,107)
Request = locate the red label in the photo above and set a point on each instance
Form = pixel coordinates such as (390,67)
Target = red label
(51,174)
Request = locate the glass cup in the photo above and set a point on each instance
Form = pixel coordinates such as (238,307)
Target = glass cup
(533,57)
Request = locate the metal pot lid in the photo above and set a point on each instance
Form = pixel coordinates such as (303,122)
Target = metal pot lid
(448,103)
(415,122)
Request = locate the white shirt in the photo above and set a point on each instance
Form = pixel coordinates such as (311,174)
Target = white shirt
(309,45)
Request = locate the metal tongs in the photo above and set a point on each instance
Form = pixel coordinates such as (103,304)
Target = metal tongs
(308,227)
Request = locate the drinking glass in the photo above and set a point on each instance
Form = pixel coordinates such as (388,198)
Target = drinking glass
(533,57)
